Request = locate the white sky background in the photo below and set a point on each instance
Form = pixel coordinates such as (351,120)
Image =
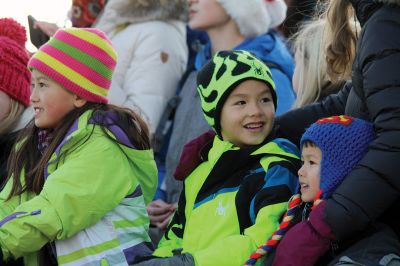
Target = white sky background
(45,10)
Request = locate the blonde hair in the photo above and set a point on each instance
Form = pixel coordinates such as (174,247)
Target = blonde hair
(9,122)
(309,45)
(326,47)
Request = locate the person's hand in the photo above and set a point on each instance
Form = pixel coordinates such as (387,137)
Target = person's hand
(48,28)
(160,213)
(163,225)
(185,259)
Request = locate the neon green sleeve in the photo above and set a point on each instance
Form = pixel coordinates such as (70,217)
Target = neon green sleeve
(91,182)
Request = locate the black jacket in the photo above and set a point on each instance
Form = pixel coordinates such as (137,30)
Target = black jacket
(371,191)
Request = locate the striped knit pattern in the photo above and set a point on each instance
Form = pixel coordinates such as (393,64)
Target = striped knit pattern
(318,199)
(82,60)
(273,241)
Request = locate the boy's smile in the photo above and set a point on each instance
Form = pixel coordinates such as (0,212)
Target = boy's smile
(248,114)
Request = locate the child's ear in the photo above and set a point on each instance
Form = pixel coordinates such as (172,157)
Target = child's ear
(79,101)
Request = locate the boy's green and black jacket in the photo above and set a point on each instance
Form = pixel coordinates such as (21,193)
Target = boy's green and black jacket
(232,202)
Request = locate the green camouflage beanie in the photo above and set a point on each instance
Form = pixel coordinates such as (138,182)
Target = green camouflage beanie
(217,79)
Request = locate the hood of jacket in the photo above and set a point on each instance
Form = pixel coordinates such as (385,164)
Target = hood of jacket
(121,12)
(142,161)
(365,8)
(267,47)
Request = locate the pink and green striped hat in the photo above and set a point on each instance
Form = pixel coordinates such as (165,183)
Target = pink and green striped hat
(82,60)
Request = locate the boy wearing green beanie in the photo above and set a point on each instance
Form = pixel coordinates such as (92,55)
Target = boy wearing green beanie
(235,198)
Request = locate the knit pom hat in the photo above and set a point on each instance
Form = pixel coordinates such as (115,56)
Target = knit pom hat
(15,79)
(255,17)
(343,141)
(217,79)
(82,60)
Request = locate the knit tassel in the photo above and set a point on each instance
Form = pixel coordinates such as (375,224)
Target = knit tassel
(317,200)
(273,241)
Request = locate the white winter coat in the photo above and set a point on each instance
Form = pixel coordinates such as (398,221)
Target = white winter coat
(152,53)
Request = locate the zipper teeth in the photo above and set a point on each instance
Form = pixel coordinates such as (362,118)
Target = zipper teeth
(334,246)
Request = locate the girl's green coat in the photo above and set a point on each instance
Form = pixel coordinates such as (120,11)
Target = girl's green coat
(92,205)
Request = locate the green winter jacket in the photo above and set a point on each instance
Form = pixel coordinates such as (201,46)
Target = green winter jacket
(231,204)
(92,207)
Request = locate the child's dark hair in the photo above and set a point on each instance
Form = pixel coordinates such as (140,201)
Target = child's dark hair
(26,157)
(309,143)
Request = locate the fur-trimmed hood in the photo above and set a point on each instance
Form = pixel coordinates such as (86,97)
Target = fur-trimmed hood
(120,12)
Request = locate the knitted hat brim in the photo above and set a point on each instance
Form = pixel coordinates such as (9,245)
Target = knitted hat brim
(67,83)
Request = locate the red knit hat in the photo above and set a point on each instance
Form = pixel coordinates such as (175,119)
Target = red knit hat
(15,78)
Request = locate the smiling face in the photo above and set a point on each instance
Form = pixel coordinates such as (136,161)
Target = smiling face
(51,101)
(206,14)
(248,114)
(310,172)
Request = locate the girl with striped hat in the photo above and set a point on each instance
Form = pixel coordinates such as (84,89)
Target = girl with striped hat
(82,172)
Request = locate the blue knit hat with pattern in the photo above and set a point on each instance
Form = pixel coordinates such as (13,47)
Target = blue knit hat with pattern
(343,141)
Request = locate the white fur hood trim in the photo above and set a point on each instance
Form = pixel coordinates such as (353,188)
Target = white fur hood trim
(255,17)
(120,12)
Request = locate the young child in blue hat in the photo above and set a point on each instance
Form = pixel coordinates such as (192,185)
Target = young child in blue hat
(331,148)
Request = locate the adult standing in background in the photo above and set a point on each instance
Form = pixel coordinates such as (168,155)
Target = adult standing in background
(150,39)
(375,97)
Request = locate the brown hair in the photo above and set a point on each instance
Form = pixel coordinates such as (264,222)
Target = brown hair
(342,47)
(27,158)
